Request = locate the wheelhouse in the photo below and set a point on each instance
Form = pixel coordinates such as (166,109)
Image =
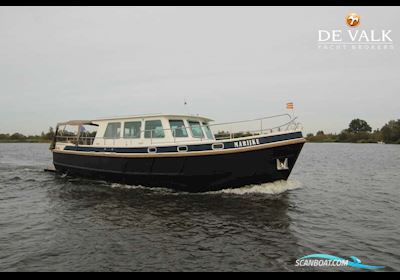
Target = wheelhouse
(134,131)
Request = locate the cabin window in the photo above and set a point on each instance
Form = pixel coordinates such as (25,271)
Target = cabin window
(113,130)
(132,129)
(153,129)
(196,129)
(178,128)
(208,131)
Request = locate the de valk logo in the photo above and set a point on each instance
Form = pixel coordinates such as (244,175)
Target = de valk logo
(354,37)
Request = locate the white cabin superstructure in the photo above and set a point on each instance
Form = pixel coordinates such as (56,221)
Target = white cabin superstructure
(143,130)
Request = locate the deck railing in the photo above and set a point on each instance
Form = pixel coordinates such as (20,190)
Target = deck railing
(291,124)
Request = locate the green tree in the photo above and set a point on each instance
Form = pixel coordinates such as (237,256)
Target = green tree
(49,135)
(358,125)
(344,136)
(390,132)
(17,136)
(4,136)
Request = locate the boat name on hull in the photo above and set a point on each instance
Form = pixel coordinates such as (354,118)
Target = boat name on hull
(246,143)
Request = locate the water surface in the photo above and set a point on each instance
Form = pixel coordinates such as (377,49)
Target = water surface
(341,199)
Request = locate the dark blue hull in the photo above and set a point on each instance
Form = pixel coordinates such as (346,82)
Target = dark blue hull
(191,173)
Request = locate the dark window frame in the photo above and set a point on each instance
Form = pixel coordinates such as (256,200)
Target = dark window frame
(140,130)
(147,132)
(191,129)
(119,134)
(183,127)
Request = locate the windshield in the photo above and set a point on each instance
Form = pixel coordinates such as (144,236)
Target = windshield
(195,127)
(208,131)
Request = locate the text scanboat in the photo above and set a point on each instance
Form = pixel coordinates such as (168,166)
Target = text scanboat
(176,151)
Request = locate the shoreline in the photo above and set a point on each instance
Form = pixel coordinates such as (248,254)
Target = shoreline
(22,142)
(323,142)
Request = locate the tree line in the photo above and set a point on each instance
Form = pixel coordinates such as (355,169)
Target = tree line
(359,131)
(18,137)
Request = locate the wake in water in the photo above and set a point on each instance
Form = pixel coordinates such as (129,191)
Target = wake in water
(139,187)
(276,187)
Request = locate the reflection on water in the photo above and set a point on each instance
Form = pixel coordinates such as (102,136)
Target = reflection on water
(330,205)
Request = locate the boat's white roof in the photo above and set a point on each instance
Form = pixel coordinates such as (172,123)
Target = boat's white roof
(159,115)
(147,116)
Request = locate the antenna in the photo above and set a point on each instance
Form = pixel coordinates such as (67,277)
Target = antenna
(185,106)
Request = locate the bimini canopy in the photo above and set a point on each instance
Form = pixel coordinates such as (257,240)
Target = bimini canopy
(77,122)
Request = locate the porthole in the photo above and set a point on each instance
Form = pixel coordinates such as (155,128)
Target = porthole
(152,150)
(182,148)
(217,146)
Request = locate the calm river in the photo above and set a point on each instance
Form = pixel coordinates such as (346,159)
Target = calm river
(341,199)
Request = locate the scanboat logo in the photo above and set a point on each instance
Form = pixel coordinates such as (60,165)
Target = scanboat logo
(354,38)
(323,260)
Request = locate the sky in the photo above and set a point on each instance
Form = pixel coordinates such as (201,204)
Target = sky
(227,63)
